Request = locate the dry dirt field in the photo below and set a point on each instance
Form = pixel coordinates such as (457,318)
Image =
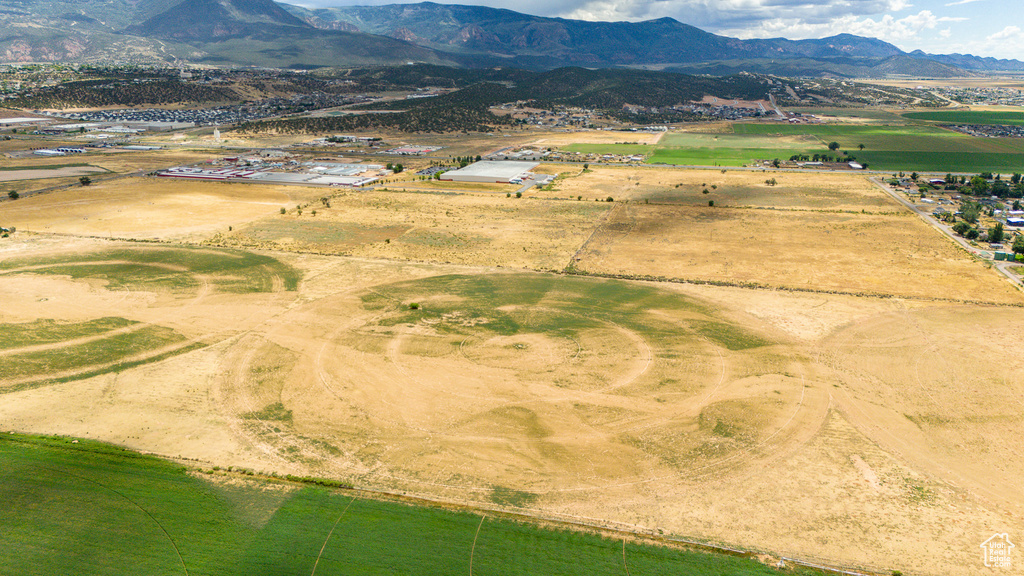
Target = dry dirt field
(853,431)
(485,229)
(794,191)
(879,432)
(878,254)
(148,208)
(65,172)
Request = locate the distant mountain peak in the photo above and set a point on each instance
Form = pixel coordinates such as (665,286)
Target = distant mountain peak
(217,19)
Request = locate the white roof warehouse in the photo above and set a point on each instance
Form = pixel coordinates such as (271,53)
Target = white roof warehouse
(491,171)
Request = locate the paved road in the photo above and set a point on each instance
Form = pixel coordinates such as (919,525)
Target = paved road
(1005,268)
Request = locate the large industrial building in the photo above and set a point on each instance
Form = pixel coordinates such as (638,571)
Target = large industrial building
(492,171)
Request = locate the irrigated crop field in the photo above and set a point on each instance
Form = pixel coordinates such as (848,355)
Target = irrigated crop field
(144,515)
(921,148)
(890,142)
(808,371)
(1010,117)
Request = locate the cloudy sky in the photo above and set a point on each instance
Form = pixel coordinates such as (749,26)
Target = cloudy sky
(980,27)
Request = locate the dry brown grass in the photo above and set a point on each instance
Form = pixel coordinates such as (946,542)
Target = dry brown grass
(147,208)
(484,229)
(796,191)
(862,436)
(857,253)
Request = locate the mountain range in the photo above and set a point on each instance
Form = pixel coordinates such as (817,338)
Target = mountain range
(265,33)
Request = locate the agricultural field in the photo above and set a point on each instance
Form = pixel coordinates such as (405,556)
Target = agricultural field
(485,229)
(8,174)
(729,415)
(803,369)
(730,149)
(144,515)
(149,207)
(879,254)
(1006,117)
(920,148)
(734,188)
(48,350)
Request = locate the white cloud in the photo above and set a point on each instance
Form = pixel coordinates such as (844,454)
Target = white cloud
(885,28)
(725,14)
(961,2)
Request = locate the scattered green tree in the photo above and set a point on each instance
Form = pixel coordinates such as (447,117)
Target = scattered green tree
(833,146)
(85,180)
(13,195)
(979,185)
(995,233)
(1018,244)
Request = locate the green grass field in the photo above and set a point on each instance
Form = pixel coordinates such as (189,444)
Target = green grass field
(50,331)
(104,351)
(921,148)
(179,268)
(529,303)
(87,509)
(1007,117)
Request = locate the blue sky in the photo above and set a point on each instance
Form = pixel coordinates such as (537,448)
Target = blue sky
(980,27)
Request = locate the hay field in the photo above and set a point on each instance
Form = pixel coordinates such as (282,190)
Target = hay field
(737,188)
(119,161)
(39,174)
(484,229)
(876,254)
(148,208)
(738,416)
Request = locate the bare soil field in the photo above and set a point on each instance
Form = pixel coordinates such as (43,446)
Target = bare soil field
(853,431)
(147,208)
(485,229)
(737,188)
(118,161)
(877,254)
(66,172)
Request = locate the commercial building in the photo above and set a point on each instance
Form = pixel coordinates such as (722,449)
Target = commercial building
(492,171)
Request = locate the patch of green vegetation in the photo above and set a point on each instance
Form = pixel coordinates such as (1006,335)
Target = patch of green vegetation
(514,302)
(731,336)
(910,147)
(47,331)
(309,231)
(276,412)
(93,509)
(503,496)
(1001,117)
(442,239)
(95,353)
(177,268)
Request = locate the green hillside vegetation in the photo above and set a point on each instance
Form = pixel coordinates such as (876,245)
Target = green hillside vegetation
(87,95)
(466,109)
(86,508)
